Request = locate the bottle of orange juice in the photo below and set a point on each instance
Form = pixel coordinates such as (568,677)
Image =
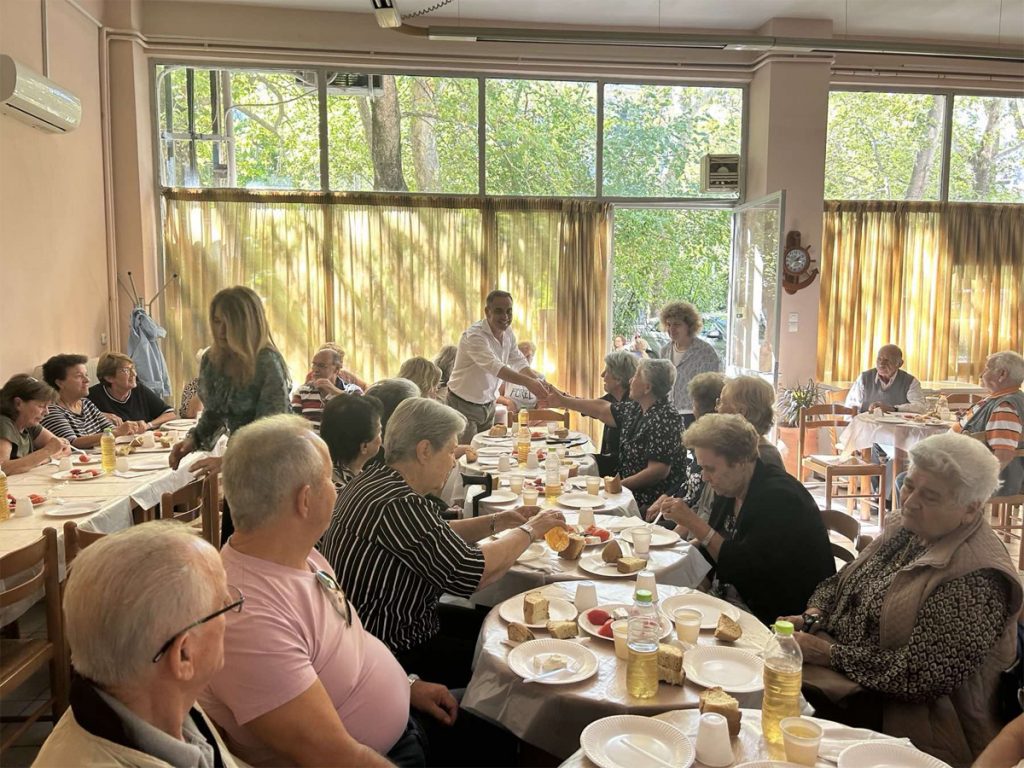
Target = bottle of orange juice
(522,439)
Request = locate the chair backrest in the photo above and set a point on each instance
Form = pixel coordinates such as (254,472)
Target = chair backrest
(961,399)
(841,552)
(828,416)
(184,504)
(842,523)
(76,539)
(39,559)
(548,414)
(212,509)
(487,481)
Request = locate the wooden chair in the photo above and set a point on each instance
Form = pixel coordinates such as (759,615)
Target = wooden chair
(543,415)
(197,504)
(1008,516)
(833,466)
(962,400)
(76,539)
(20,659)
(846,526)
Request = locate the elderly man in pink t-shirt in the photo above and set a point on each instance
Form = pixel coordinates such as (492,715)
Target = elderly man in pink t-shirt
(303,683)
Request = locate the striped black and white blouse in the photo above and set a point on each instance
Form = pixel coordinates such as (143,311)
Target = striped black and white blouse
(70,425)
(394,555)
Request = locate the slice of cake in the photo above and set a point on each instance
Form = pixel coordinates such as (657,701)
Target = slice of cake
(576,545)
(728,630)
(630,564)
(670,664)
(535,608)
(562,630)
(718,701)
(519,633)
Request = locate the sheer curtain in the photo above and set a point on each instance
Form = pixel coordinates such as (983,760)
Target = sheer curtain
(944,281)
(392,276)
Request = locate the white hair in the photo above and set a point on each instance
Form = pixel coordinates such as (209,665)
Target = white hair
(964,461)
(417,419)
(1011,362)
(128,593)
(621,366)
(660,374)
(265,464)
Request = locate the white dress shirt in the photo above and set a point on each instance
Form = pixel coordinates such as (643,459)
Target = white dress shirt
(479,358)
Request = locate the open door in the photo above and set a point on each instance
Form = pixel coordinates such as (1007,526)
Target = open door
(754,286)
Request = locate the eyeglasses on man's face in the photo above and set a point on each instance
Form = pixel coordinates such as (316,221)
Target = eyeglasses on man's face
(237,599)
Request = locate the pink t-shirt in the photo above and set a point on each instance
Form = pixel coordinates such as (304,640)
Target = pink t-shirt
(288,635)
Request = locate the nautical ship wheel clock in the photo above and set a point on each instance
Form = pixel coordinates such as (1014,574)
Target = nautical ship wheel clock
(797,272)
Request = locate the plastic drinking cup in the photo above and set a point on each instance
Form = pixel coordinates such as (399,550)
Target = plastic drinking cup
(593,485)
(688,623)
(515,483)
(641,541)
(801,738)
(620,633)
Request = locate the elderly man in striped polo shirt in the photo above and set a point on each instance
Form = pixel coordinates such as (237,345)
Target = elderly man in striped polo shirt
(997,420)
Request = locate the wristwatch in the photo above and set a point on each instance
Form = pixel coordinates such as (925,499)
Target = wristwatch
(528,531)
(412,679)
(810,620)
(706,541)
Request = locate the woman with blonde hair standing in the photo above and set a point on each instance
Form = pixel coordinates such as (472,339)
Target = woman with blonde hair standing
(242,378)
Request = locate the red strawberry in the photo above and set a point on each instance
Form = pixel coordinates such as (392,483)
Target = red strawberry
(606,629)
(597,616)
(83,459)
(76,472)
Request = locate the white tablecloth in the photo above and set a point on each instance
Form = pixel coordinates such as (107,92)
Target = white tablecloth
(552,717)
(866,429)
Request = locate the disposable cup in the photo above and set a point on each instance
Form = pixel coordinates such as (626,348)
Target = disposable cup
(586,518)
(641,541)
(593,485)
(801,738)
(23,507)
(515,483)
(688,623)
(714,748)
(620,633)
(645,580)
(586,596)
(530,496)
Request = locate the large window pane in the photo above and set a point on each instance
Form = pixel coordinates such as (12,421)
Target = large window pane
(239,128)
(987,162)
(541,137)
(883,146)
(670,255)
(655,137)
(398,133)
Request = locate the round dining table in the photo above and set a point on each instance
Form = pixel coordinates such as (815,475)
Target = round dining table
(552,716)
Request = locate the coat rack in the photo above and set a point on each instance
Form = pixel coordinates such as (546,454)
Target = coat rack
(137,301)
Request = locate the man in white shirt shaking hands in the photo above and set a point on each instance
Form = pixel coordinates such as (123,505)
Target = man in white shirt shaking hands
(487,352)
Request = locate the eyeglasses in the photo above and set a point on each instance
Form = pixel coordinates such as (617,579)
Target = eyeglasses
(127,369)
(335,595)
(235,605)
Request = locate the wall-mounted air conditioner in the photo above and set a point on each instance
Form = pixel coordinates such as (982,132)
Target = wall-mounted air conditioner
(720,173)
(28,96)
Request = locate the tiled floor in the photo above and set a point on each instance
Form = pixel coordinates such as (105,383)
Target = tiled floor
(33,624)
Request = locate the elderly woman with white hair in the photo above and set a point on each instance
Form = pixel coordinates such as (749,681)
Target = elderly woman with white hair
(911,637)
(998,420)
(651,458)
(144,614)
(396,556)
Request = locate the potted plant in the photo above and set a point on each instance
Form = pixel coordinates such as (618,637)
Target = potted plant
(788,405)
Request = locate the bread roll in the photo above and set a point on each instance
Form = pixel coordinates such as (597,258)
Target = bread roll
(630,564)
(576,545)
(535,608)
(718,701)
(613,485)
(498,430)
(519,633)
(670,664)
(611,552)
(728,630)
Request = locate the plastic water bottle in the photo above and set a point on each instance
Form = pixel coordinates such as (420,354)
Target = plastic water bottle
(642,637)
(108,460)
(782,678)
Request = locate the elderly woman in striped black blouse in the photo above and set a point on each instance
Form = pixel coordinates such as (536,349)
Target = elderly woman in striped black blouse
(74,417)
(395,555)
(911,637)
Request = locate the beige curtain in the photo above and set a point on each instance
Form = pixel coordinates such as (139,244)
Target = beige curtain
(945,281)
(392,276)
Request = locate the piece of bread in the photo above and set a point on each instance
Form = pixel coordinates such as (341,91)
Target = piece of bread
(535,608)
(728,630)
(670,664)
(562,630)
(611,552)
(576,546)
(519,633)
(561,433)
(471,455)
(630,564)
(498,430)
(718,701)
(613,484)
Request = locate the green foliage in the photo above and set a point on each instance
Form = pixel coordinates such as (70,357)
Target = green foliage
(792,399)
(987,155)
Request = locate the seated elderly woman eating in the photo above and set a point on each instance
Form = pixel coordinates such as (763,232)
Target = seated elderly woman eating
(24,443)
(351,429)
(651,459)
(74,417)
(910,638)
(753,398)
(765,537)
(395,555)
(120,393)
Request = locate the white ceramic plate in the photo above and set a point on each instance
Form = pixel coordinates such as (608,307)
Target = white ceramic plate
(147,463)
(598,567)
(499,497)
(66,475)
(490,450)
(577,500)
(178,424)
(495,440)
(532,552)
(525,660)
(606,742)
(488,461)
(767,764)
(76,459)
(591,629)
(881,755)
(73,509)
(732,669)
(660,537)
(558,610)
(710,607)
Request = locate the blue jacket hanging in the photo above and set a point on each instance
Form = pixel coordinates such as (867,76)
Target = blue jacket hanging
(144,350)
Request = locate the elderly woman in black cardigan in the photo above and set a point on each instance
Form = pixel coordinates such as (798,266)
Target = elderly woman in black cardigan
(765,538)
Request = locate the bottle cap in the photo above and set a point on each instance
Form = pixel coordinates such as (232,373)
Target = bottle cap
(645,596)
(784,628)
